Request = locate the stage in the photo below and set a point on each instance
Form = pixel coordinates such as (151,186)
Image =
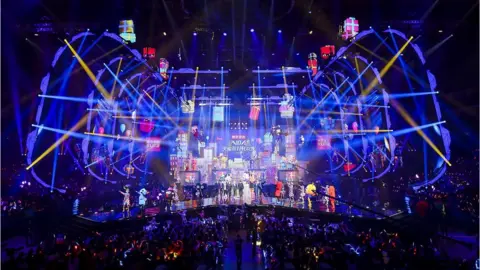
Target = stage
(197,205)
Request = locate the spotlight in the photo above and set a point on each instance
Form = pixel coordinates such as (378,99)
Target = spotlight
(370,27)
(252,30)
(311,32)
(35,34)
(440,31)
(106,30)
(279,31)
(224,34)
(88,29)
(298,53)
(389,26)
(164,33)
(194,33)
(309,12)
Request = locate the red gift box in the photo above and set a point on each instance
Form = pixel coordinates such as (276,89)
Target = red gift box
(254,113)
(327,51)
(149,52)
(146,126)
(349,166)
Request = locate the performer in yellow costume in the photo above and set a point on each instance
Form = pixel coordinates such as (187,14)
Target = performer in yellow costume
(311,192)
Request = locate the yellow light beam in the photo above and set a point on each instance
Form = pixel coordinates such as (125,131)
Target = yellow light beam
(384,70)
(92,77)
(412,122)
(65,136)
(116,74)
(358,74)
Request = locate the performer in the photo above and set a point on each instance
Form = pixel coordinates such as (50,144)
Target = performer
(311,192)
(251,185)
(278,188)
(126,201)
(228,184)
(170,195)
(290,190)
(240,189)
(325,198)
(331,193)
(142,199)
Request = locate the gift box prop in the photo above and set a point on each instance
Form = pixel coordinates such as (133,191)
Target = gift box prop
(127,30)
(129,169)
(153,144)
(149,52)
(350,28)
(163,68)
(218,114)
(349,166)
(327,51)
(188,106)
(312,63)
(286,106)
(146,126)
(254,113)
(324,142)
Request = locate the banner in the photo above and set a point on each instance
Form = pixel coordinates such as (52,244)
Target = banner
(153,144)
(218,114)
(240,143)
(324,142)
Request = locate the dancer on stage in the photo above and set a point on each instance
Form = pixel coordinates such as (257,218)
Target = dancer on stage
(170,195)
(325,199)
(278,189)
(311,192)
(290,191)
(228,184)
(126,201)
(331,193)
(142,199)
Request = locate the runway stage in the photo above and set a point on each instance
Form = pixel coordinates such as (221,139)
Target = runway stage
(340,209)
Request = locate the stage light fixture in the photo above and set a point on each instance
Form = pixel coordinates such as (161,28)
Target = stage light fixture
(194,33)
(36,34)
(224,34)
(389,26)
(252,30)
(311,32)
(279,31)
(164,33)
(370,27)
(440,31)
(88,29)
(298,53)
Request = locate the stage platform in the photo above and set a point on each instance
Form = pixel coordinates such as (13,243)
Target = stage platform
(340,209)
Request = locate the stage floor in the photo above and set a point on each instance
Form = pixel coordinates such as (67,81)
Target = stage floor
(341,209)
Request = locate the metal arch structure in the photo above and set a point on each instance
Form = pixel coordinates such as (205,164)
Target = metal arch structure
(445,134)
(32,136)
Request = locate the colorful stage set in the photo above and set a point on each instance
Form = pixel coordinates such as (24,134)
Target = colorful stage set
(126,118)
